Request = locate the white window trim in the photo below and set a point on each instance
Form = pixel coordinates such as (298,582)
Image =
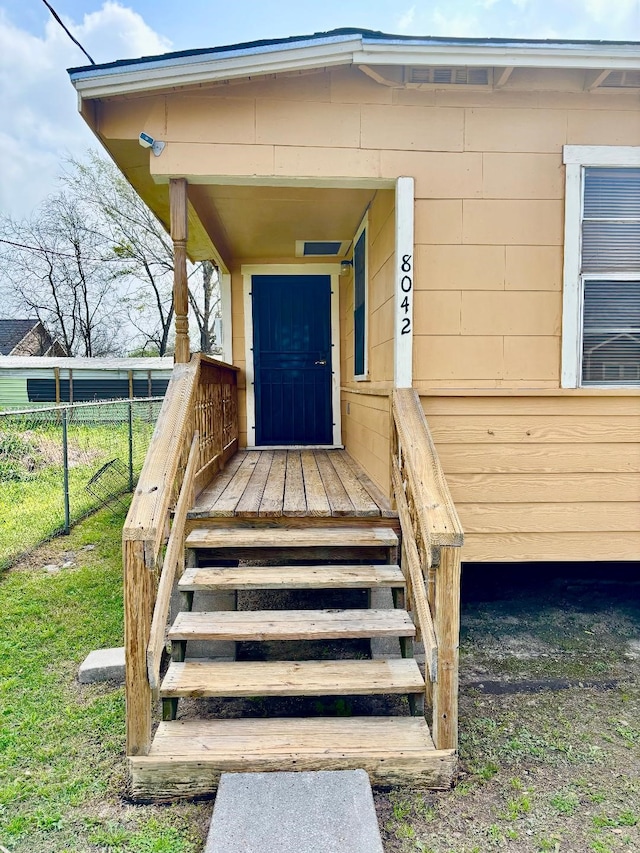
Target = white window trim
(576,158)
(332,270)
(364,225)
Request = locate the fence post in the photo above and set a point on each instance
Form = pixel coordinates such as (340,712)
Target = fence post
(130,446)
(65,470)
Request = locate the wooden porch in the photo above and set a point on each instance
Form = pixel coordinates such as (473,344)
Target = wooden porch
(285,521)
(292,484)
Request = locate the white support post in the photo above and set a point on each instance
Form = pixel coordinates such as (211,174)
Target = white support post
(404,285)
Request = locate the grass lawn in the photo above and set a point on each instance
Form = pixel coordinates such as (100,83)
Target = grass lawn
(31,475)
(62,770)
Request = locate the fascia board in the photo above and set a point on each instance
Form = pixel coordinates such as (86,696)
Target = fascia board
(574,56)
(156,75)
(162,74)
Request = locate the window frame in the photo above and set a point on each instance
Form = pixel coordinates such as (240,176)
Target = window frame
(576,158)
(362,229)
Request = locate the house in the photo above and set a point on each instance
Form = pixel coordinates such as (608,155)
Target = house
(430,257)
(27,338)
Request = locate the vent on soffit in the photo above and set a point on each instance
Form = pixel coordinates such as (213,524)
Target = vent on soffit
(447,76)
(621,80)
(322,248)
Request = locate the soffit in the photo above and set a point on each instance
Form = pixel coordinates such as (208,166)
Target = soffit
(133,161)
(265,221)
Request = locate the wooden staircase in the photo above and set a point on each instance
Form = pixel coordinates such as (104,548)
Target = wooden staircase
(250,530)
(189,755)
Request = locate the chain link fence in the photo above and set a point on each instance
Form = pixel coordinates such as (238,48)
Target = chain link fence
(59,464)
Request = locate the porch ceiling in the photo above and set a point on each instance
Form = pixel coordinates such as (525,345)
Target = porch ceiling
(264,222)
(249,221)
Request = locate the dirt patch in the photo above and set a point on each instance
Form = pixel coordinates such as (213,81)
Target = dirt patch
(549,722)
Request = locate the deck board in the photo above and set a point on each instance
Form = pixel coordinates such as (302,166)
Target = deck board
(291,484)
(295,503)
(249,503)
(273,497)
(316,497)
(228,500)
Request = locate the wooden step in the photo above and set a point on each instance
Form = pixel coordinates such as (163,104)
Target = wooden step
(291,625)
(292,577)
(187,757)
(304,537)
(292,678)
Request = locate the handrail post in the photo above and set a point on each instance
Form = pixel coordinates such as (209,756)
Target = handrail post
(138,606)
(447,628)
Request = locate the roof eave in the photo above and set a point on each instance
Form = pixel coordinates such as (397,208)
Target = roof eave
(160,73)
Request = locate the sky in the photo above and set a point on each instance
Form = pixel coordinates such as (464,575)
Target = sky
(39,124)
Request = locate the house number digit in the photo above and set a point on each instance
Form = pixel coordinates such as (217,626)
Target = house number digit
(406,285)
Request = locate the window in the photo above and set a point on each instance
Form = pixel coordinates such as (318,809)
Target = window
(360,358)
(601,318)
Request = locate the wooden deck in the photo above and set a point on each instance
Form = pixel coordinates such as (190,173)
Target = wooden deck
(290,484)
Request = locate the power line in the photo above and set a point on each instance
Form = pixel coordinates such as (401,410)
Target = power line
(45,251)
(72,37)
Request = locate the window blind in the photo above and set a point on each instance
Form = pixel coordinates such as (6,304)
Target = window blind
(611,305)
(611,336)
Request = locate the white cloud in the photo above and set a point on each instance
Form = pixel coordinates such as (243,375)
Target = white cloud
(40,123)
(405,21)
(459,25)
(616,12)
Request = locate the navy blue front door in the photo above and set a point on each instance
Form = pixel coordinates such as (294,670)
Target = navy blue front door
(292,358)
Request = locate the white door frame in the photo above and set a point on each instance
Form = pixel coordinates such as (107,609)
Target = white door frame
(332,270)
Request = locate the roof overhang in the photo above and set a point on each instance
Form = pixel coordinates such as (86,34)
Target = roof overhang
(308,53)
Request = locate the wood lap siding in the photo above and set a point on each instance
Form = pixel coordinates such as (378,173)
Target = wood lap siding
(542,478)
(365,427)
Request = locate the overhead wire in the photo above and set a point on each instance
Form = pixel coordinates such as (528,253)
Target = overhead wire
(67,31)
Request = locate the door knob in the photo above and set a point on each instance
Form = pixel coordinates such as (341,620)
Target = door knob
(322,361)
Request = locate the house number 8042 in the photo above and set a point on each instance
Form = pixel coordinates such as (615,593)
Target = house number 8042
(406,286)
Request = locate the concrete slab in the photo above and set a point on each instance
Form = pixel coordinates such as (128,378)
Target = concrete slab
(102,665)
(318,812)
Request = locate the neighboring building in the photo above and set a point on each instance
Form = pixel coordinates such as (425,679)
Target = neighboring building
(27,338)
(487,192)
(25,382)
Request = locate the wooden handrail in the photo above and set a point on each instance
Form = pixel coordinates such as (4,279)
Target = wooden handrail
(146,519)
(416,588)
(170,565)
(201,399)
(431,540)
(438,521)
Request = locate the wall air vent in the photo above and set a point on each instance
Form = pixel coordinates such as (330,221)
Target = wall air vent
(446,76)
(621,80)
(322,248)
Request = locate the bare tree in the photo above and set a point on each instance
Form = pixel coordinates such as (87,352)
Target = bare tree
(205,304)
(138,242)
(55,267)
(96,266)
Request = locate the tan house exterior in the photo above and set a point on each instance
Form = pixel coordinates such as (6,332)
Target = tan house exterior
(463,163)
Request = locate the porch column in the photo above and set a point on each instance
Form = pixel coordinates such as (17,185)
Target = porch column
(179,234)
(403,325)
